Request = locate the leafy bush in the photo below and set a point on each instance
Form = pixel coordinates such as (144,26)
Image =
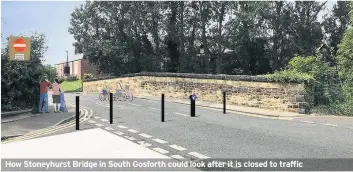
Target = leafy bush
(61,79)
(289,76)
(72,78)
(49,72)
(20,80)
(322,87)
(88,76)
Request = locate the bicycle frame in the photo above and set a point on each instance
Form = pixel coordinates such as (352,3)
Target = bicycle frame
(122,91)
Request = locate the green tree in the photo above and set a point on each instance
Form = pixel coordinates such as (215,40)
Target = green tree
(306,29)
(50,72)
(335,25)
(201,37)
(20,80)
(345,52)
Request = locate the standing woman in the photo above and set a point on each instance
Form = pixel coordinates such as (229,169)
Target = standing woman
(56,95)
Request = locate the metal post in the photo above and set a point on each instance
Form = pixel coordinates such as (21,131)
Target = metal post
(111,108)
(190,97)
(162,108)
(224,102)
(192,106)
(77,112)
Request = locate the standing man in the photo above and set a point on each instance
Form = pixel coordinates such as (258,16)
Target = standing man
(44,84)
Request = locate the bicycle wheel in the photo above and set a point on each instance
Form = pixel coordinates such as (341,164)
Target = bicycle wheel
(130,97)
(124,96)
(114,97)
(101,97)
(107,97)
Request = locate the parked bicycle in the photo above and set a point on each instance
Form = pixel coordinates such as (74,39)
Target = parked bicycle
(104,95)
(123,94)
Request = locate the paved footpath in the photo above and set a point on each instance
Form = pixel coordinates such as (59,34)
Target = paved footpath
(35,122)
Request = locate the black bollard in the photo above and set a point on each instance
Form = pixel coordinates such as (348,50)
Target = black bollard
(162,108)
(77,112)
(224,102)
(192,106)
(111,108)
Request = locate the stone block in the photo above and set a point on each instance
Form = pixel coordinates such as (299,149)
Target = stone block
(242,90)
(300,98)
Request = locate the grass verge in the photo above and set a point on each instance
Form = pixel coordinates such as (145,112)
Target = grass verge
(71,86)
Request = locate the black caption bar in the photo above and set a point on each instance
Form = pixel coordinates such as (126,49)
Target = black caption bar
(175,165)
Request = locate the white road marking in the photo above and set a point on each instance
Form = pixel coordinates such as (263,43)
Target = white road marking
(198,155)
(97,117)
(160,150)
(104,120)
(153,108)
(119,133)
(121,126)
(177,147)
(91,121)
(103,105)
(160,141)
(119,106)
(99,125)
(332,125)
(177,157)
(180,114)
(130,138)
(310,122)
(133,131)
(145,135)
(108,128)
(144,144)
(134,104)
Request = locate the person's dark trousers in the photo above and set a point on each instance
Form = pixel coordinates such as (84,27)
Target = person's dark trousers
(43,96)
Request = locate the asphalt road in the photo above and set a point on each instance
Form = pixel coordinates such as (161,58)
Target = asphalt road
(218,135)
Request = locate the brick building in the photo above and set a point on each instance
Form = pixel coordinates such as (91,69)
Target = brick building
(78,68)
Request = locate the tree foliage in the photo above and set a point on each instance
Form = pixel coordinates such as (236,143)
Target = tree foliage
(201,37)
(229,37)
(20,80)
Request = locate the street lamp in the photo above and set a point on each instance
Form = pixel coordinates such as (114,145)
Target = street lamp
(67,68)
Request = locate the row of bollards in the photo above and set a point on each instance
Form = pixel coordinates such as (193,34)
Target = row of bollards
(78,110)
(192,108)
(192,105)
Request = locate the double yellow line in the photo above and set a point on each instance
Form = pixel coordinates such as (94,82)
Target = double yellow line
(45,131)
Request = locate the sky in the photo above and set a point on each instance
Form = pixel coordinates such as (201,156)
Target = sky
(51,18)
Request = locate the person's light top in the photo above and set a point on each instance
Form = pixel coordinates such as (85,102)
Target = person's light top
(56,89)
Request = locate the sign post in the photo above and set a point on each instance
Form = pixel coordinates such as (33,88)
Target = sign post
(19,48)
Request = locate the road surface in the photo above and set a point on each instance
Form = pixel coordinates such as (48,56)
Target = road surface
(216,135)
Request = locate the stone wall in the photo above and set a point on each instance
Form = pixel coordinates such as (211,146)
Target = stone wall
(241,90)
